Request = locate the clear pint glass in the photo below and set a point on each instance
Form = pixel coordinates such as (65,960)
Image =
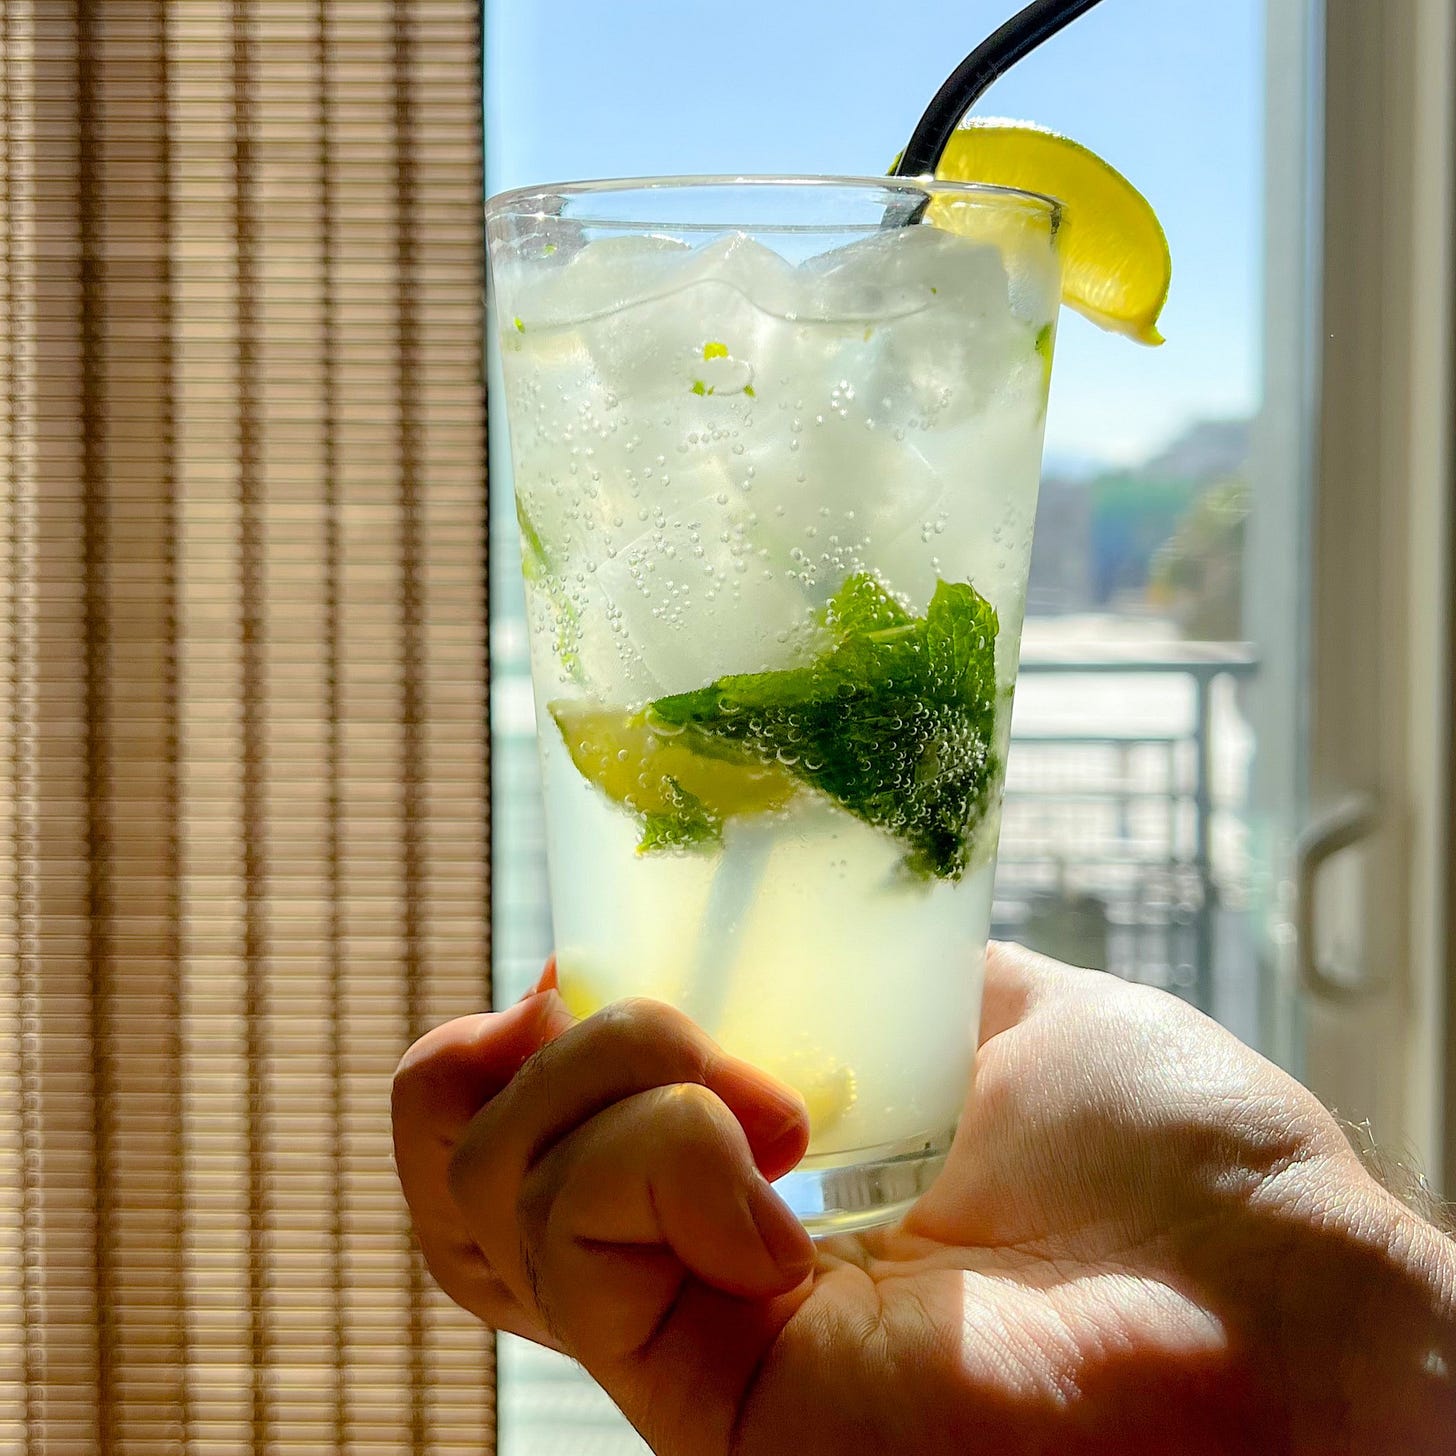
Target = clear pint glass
(776,446)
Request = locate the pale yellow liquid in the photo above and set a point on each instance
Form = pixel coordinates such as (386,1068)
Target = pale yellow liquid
(881,413)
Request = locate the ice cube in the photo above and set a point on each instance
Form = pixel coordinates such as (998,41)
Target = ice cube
(581,641)
(706,333)
(698,598)
(825,499)
(911,268)
(955,340)
(748,267)
(604,276)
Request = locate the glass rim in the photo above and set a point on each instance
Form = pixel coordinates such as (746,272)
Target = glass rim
(512,202)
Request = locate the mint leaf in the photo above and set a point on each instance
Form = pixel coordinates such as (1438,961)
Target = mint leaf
(862,604)
(895,721)
(689,824)
(879,641)
(960,641)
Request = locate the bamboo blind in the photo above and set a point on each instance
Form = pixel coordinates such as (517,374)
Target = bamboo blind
(243,766)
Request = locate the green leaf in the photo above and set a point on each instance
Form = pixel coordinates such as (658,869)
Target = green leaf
(895,721)
(689,824)
(753,692)
(863,604)
(960,639)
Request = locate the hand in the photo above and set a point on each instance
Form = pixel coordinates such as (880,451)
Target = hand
(1146,1240)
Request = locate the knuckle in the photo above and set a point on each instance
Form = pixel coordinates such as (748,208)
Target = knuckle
(541,1302)
(535,1202)
(438,1057)
(640,1014)
(688,1113)
(639,1030)
(463,1173)
(531,1076)
(409,1087)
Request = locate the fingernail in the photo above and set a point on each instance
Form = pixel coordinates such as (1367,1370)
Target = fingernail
(783,1235)
(777,1127)
(772,1107)
(781,1113)
(783,1144)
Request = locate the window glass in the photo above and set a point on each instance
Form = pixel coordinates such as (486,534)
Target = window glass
(1124,836)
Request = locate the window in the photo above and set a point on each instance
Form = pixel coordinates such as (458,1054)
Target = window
(1127,837)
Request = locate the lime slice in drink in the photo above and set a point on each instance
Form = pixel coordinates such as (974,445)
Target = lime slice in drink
(1115,260)
(649,772)
(829,1091)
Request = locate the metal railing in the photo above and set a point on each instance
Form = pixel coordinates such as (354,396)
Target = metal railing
(1108,843)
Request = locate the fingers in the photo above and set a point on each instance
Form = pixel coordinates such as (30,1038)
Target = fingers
(441,1083)
(675,1179)
(621,1213)
(626,1050)
(451,1072)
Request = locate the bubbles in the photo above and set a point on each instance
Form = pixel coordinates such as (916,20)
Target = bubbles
(709,528)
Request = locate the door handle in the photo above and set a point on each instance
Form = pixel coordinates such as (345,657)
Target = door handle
(1341,828)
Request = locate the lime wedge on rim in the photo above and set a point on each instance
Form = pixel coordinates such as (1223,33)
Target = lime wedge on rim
(1116,267)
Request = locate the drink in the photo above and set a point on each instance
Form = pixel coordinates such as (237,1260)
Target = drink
(776,468)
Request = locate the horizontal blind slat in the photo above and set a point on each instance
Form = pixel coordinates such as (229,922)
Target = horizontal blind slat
(243,756)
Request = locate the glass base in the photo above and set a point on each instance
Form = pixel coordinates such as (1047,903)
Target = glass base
(846,1192)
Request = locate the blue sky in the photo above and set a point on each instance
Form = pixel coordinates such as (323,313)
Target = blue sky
(1170,91)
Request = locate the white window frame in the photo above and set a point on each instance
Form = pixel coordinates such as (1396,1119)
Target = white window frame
(1380,628)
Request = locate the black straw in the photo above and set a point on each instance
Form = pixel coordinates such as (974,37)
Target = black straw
(972,78)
